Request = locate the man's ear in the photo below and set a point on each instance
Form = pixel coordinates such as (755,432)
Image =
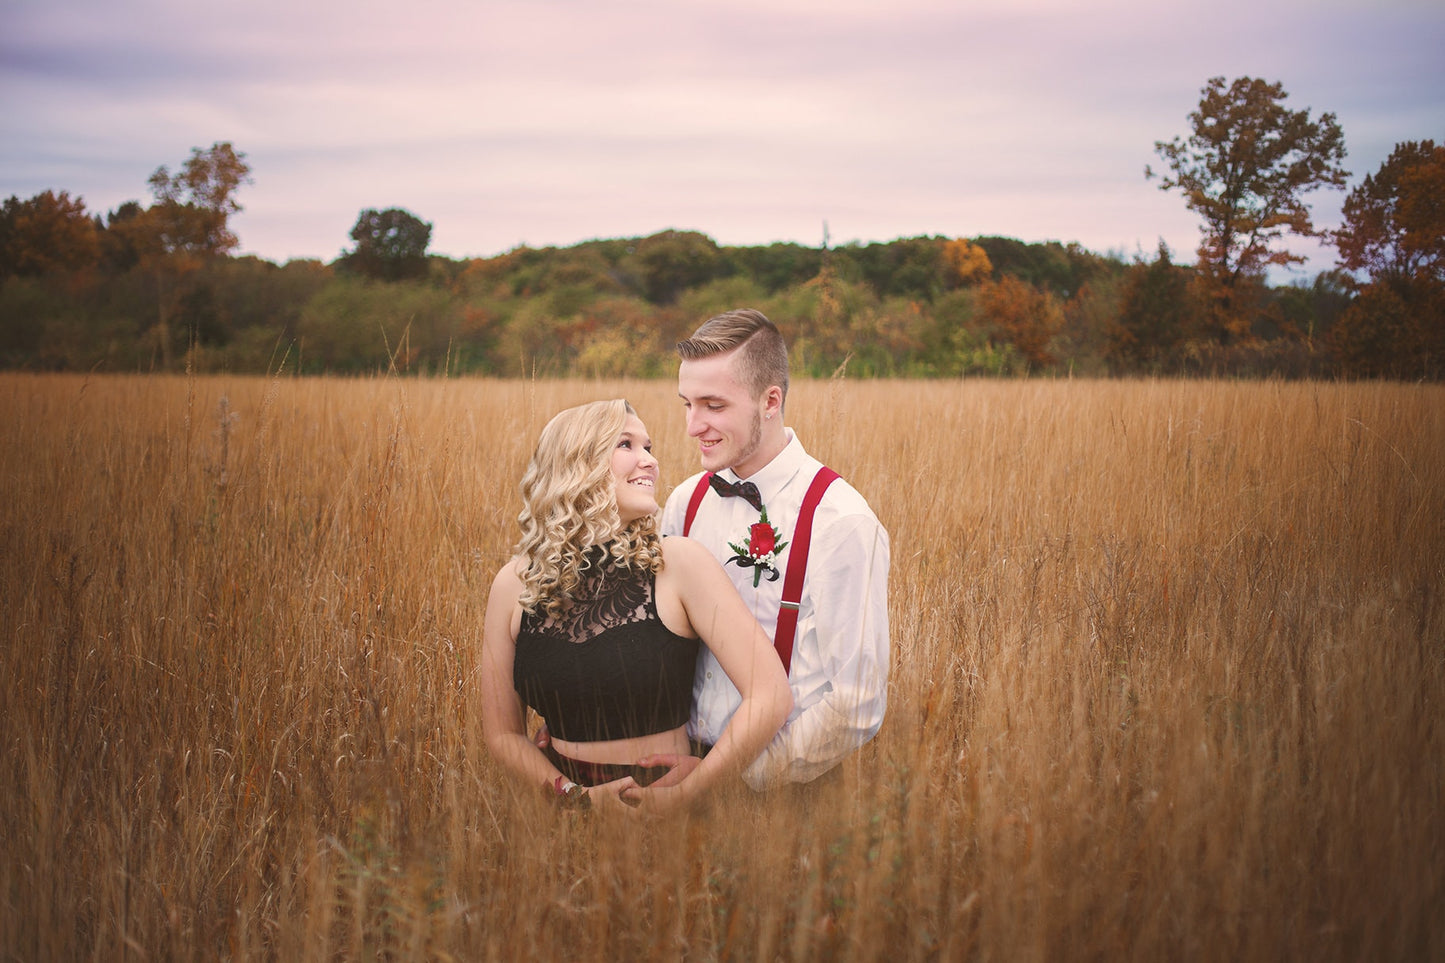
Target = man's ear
(773,403)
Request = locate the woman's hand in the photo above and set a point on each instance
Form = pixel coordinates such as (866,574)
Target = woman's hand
(679,766)
(657,800)
(609,797)
(664,795)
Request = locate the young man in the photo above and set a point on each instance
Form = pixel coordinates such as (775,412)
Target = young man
(733,380)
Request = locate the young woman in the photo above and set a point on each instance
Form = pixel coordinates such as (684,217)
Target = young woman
(595,624)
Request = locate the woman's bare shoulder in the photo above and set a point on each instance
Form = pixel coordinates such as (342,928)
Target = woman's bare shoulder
(508,580)
(687,553)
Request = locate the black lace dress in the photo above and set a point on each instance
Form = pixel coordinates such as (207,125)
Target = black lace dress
(608,668)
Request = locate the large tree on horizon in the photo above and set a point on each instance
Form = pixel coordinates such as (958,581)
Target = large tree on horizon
(193,207)
(1245,170)
(188,224)
(390,245)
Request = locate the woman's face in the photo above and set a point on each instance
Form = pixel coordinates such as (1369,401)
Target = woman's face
(635,472)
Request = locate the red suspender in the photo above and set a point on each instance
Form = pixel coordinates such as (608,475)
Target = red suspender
(696,500)
(798,565)
(797,556)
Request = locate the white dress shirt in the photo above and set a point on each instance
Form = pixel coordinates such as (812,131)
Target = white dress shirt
(839,673)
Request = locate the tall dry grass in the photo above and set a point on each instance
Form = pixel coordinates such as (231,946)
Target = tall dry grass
(1167,682)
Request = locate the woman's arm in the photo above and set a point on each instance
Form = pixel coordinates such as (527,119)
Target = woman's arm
(715,612)
(504,721)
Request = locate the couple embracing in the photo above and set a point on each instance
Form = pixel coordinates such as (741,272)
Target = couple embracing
(755,643)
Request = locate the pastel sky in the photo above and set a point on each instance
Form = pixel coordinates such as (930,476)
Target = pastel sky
(548,122)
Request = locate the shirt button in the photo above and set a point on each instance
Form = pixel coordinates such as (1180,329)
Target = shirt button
(709,675)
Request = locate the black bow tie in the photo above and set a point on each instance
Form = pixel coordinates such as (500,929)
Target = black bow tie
(746,490)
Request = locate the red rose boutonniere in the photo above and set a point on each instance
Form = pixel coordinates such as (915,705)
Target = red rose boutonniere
(761,552)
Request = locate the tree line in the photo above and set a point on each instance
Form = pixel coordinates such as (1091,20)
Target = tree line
(158,287)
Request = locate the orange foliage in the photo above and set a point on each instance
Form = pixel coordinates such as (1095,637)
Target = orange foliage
(965,263)
(1023,315)
(50,232)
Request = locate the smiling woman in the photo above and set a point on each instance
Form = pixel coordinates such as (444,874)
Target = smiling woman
(595,626)
(635,471)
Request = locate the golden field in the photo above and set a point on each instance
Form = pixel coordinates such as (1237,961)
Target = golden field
(1168,676)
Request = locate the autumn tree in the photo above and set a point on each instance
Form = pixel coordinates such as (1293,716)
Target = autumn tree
(188,224)
(1022,315)
(1394,232)
(964,263)
(1394,222)
(390,245)
(48,233)
(1245,170)
(193,207)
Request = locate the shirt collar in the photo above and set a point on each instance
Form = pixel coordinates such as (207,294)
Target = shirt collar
(771,478)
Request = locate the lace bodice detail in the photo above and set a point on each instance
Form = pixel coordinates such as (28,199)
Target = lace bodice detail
(607,598)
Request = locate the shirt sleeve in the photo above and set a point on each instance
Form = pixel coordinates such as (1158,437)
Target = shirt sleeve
(849,597)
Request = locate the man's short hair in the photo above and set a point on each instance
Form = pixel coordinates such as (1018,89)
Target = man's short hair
(763,360)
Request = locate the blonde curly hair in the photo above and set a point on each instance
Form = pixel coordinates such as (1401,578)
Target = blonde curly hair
(569,505)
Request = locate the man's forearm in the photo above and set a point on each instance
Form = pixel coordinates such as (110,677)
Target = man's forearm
(817,740)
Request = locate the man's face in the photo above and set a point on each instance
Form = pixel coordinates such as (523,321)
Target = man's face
(722,414)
